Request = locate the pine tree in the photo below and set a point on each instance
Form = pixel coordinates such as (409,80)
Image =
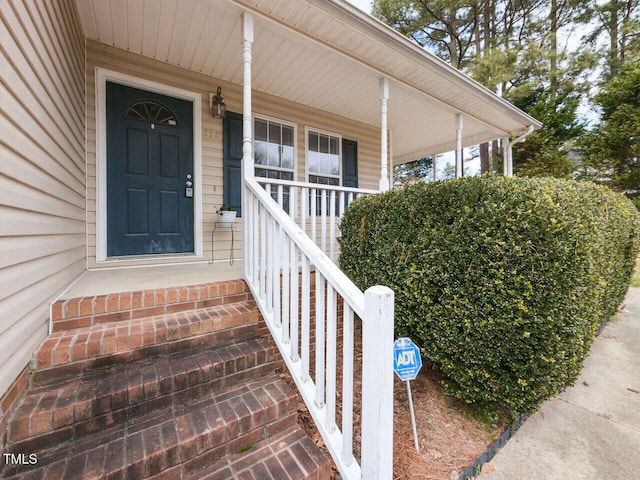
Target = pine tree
(611,152)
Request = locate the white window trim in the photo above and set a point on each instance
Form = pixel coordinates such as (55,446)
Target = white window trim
(308,129)
(259,116)
(101,77)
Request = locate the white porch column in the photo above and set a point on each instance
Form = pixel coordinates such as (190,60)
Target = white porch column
(459,158)
(247,144)
(390,159)
(434,158)
(384,154)
(506,153)
(247,136)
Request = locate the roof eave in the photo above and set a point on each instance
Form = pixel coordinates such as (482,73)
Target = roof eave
(403,45)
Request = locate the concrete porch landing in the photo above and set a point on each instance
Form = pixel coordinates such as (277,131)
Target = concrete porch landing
(114,280)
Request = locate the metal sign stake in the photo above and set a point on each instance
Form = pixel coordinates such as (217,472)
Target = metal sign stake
(413,417)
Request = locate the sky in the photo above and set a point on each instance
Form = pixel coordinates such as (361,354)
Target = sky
(364,5)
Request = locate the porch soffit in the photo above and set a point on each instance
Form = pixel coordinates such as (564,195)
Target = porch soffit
(321,53)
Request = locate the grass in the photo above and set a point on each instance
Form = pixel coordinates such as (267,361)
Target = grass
(635,279)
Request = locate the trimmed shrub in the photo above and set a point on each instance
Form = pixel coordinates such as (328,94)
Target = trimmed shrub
(503,282)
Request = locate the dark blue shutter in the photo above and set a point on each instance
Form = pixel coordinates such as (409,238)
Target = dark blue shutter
(349,163)
(232,161)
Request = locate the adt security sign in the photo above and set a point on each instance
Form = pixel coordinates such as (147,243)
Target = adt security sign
(406,359)
(407,363)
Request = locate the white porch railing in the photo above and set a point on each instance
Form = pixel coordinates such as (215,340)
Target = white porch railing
(315,208)
(311,308)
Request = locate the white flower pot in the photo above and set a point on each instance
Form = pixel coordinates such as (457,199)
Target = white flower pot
(226,219)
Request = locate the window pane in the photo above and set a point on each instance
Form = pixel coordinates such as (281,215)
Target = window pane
(287,136)
(324,144)
(325,163)
(334,146)
(261,130)
(313,142)
(274,133)
(322,180)
(274,155)
(334,165)
(153,109)
(287,157)
(277,174)
(274,149)
(313,161)
(261,153)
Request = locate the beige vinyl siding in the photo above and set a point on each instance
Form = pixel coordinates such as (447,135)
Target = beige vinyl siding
(120,61)
(42,170)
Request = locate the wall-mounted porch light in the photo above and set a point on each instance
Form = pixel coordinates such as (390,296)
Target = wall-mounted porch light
(218,107)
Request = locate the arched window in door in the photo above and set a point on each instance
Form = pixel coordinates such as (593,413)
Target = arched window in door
(152,112)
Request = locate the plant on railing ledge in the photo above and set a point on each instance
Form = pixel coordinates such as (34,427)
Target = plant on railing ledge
(502,281)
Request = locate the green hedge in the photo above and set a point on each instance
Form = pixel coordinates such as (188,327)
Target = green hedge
(503,282)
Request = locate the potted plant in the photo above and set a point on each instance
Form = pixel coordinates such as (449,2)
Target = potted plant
(226,216)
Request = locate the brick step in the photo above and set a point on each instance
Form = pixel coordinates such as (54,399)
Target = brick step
(289,455)
(66,410)
(70,352)
(175,442)
(82,312)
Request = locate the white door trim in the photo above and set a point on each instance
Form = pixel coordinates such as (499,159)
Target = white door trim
(102,76)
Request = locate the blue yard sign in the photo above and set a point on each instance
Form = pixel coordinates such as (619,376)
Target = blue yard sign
(406,359)
(407,362)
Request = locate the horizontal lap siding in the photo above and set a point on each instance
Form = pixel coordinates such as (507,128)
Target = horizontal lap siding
(42,170)
(117,60)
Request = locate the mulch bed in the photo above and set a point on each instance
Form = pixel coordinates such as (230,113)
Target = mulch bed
(449,437)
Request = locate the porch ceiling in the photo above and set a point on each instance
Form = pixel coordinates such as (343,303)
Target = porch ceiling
(323,53)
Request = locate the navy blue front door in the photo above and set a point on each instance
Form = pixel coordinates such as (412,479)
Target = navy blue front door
(149,162)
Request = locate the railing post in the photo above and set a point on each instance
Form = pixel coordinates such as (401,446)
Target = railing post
(377,384)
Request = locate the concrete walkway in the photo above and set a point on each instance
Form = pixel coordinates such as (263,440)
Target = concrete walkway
(592,430)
